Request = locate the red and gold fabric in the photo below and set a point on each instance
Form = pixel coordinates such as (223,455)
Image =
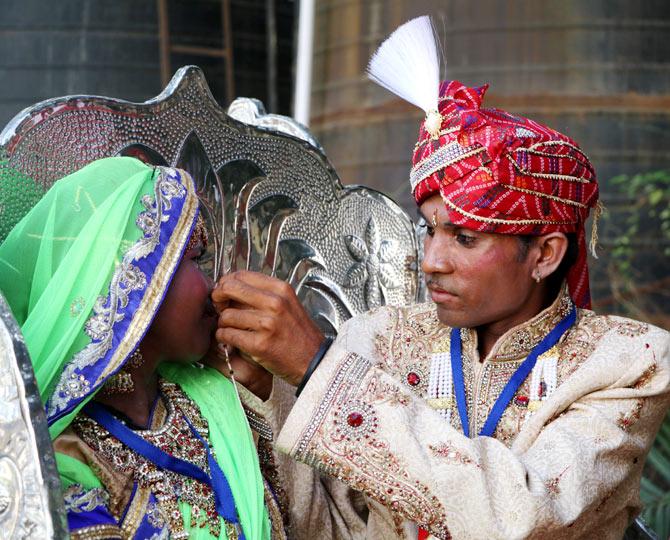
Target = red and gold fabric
(505,174)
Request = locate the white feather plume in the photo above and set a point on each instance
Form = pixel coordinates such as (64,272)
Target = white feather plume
(408,65)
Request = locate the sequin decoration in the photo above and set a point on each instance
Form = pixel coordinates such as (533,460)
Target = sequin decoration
(440,386)
(77,306)
(77,386)
(355,420)
(176,439)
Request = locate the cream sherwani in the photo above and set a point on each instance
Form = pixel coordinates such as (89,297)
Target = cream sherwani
(564,465)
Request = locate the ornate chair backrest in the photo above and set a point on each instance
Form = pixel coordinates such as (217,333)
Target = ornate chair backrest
(271,200)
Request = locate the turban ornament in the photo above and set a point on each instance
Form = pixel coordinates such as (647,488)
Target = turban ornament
(496,172)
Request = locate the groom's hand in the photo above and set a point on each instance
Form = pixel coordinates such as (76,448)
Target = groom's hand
(263,317)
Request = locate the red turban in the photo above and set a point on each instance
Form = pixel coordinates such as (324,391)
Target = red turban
(504,174)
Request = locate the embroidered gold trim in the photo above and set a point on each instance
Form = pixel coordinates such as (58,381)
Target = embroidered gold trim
(97,532)
(443,157)
(348,377)
(162,275)
(275,515)
(503,221)
(547,154)
(561,143)
(544,195)
(440,134)
(548,176)
(135,513)
(259,424)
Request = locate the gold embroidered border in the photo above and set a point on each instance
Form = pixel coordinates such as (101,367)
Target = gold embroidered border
(162,275)
(135,514)
(547,154)
(547,176)
(440,134)
(348,377)
(561,143)
(425,167)
(259,424)
(275,515)
(97,532)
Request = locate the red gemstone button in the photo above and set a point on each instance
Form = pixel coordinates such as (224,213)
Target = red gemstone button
(355,419)
(521,401)
(413,379)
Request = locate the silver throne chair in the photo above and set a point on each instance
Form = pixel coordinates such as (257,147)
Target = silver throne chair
(271,199)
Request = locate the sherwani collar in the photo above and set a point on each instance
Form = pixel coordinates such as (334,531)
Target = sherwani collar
(518,341)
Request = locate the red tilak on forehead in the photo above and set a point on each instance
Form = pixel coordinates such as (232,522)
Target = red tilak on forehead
(501,173)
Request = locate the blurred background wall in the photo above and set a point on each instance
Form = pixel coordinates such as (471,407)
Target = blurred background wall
(112,48)
(598,70)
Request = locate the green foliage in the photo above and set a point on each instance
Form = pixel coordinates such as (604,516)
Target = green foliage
(655,487)
(637,231)
(650,194)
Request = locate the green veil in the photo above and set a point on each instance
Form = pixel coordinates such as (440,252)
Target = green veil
(84,272)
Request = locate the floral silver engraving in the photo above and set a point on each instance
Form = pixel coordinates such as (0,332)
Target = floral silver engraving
(127,277)
(373,266)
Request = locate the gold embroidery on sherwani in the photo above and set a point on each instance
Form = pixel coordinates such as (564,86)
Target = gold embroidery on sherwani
(627,419)
(646,377)
(346,425)
(414,333)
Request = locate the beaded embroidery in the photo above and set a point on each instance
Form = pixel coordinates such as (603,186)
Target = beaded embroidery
(78,500)
(176,439)
(440,386)
(543,380)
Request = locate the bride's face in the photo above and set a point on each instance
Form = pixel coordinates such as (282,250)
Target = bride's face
(185,322)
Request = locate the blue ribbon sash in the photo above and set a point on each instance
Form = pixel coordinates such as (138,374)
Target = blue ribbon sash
(512,385)
(225,503)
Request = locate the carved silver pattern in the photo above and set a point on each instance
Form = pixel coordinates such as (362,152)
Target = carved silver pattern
(125,279)
(271,200)
(373,264)
(31,504)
